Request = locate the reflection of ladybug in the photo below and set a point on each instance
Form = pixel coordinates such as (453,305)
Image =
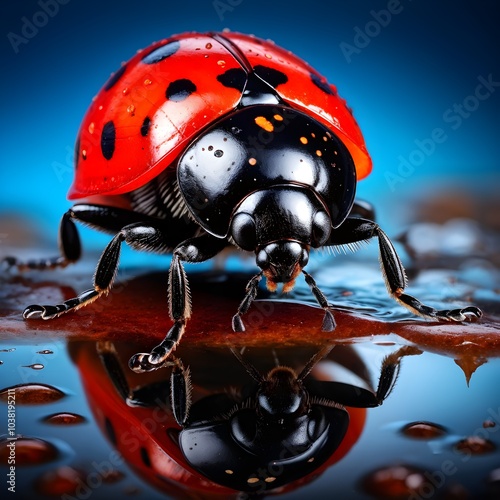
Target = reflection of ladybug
(204,141)
(280,432)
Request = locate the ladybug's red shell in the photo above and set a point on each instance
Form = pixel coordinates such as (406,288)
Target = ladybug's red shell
(156,103)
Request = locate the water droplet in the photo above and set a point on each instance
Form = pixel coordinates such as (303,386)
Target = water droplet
(470,364)
(218,153)
(131,110)
(423,430)
(91,127)
(35,366)
(61,481)
(112,476)
(8,350)
(28,451)
(147,81)
(493,481)
(125,91)
(488,424)
(208,46)
(1,362)
(64,419)
(475,445)
(33,394)
(221,62)
(397,481)
(45,351)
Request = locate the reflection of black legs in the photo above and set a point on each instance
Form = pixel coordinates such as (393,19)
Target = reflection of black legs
(180,391)
(390,370)
(358,229)
(196,249)
(180,383)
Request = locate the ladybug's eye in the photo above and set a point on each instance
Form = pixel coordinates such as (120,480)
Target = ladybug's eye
(243,231)
(321,229)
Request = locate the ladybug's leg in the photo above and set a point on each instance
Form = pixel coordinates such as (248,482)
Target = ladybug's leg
(362,208)
(196,249)
(101,217)
(328,320)
(357,229)
(69,246)
(251,293)
(139,235)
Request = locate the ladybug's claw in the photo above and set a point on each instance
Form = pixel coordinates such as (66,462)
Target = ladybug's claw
(141,362)
(237,323)
(465,314)
(43,312)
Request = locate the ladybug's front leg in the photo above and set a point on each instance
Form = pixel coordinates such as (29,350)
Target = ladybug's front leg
(357,229)
(192,250)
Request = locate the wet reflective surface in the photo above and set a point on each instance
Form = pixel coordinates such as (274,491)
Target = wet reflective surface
(79,432)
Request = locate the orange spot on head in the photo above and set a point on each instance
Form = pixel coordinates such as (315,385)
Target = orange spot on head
(252,161)
(264,123)
(278,118)
(303,140)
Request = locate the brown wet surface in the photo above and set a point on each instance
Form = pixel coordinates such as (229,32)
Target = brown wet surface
(434,437)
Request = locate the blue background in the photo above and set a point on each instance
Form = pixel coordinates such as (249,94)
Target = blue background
(400,81)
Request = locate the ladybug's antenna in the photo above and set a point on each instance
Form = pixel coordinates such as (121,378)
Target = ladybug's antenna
(312,362)
(251,370)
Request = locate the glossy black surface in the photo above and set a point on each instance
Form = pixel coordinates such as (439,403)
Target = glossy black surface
(259,147)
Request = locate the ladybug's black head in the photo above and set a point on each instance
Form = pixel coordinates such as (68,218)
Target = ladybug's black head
(281,396)
(280,225)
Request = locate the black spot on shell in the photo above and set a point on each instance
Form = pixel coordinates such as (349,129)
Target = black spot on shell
(108,138)
(270,75)
(145,126)
(77,151)
(234,78)
(322,84)
(179,90)
(145,457)
(160,53)
(115,77)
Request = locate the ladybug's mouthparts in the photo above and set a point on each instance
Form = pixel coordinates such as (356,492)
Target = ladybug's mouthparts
(282,262)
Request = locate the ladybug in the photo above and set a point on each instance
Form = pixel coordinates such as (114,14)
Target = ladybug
(276,429)
(204,141)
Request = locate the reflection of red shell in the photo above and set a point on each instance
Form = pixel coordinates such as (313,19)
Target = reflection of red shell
(136,94)
(139,432)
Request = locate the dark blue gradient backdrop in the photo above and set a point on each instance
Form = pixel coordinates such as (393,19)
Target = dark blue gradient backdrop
(423,78)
